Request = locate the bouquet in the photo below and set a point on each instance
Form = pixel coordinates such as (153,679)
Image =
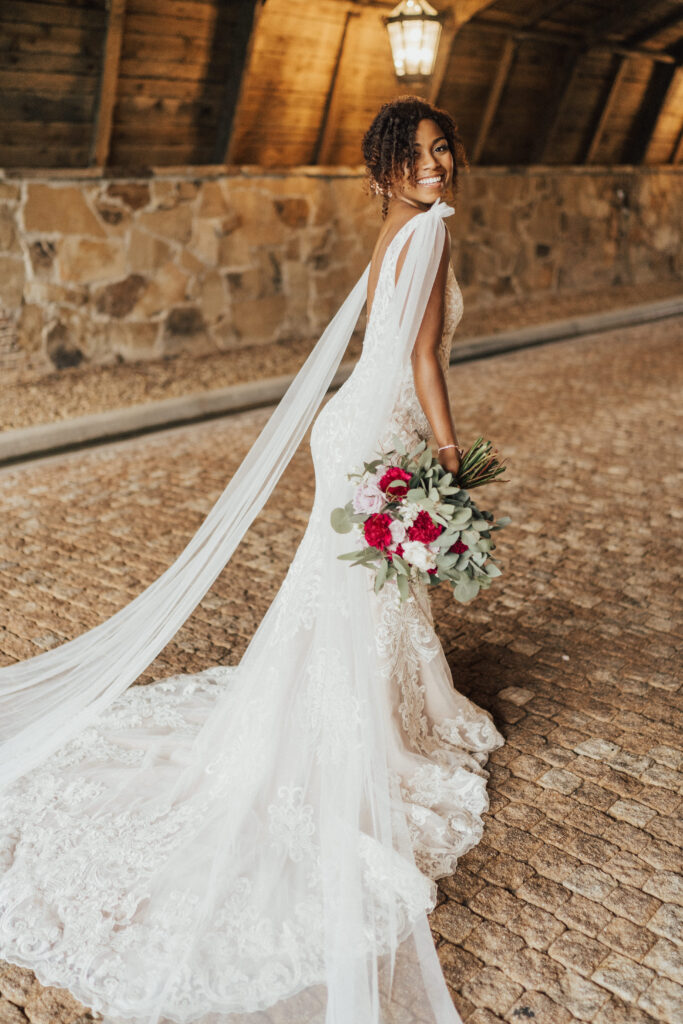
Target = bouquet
(415,521)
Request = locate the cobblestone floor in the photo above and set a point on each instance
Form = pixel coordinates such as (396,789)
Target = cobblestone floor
(571,908)
(28,398)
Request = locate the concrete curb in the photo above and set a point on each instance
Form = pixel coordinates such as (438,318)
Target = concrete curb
(30,442)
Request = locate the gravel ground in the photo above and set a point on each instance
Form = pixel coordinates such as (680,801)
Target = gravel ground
(571,908)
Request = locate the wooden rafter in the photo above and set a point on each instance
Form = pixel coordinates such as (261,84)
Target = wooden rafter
(557,106)
(645,123)
(106,93)
(242,45)
(495,92)
(669,20)
(677,152)
(542,11)
(607,107)
(616,20)
(570,39)
(449,30)
(332,108)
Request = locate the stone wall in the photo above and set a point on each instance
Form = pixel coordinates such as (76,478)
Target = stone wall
(200,260)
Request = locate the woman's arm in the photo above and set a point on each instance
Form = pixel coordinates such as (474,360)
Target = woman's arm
(430,382)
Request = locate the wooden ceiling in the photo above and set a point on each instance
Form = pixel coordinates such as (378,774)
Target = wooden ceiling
(134,84)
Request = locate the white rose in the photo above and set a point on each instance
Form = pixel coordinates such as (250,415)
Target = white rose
(419,555)
(398,532)
(409,512)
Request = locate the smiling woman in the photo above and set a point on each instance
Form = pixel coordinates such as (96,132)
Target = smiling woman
(413,149)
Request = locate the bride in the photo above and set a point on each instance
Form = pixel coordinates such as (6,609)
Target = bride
(260,843)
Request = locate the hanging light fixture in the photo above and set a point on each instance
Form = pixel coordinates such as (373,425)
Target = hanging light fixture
(414,28)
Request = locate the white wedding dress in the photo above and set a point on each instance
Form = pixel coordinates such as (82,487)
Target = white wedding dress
(259,843)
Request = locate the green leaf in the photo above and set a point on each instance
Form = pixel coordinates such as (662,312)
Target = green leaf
(492,570)
(340,520)
(461,516)
(351,555)
(416,494)
(465,590)
(403,588)
(500,523)
(401,566)
(381,575)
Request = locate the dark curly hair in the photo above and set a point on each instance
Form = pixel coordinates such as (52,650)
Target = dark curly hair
(389,143)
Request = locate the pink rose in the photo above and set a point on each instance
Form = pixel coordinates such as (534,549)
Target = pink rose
(367,498)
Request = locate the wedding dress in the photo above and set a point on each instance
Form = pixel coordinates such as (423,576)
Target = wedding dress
(257,843)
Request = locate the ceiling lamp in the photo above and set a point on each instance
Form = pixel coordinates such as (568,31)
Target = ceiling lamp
(414,28)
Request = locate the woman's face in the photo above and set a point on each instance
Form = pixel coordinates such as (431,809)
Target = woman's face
(433,163)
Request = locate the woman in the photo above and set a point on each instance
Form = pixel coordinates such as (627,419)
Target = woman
(260,842)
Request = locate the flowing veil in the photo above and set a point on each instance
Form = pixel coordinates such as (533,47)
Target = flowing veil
(232,847)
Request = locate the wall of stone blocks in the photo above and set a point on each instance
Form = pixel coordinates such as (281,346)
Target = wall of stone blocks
(199,260)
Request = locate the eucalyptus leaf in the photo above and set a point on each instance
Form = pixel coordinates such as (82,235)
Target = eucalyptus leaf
(465,590)
(402,567)
(403,588)
(340,520)
(381,575)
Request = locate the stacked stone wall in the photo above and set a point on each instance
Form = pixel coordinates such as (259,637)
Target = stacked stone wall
(98,270)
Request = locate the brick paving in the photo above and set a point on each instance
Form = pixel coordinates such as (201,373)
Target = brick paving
(570,909)
(29,398)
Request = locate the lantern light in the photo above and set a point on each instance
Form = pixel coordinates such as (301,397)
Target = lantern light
(414,28)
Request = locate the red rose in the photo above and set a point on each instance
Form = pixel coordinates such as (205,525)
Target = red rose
(376,530)
(398,490)
(431,571)
(458,547)
(424,529)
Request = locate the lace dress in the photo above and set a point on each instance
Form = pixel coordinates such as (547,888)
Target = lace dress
(158,883)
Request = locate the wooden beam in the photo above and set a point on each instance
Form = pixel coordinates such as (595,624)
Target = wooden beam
(449,30)
(243,33)
(677,152)
(607,107)
(570,39)
(495,92)
(646,120)
(616,20)
(331,109)
(106,93)
(542,11)
(557,106)
(670,19)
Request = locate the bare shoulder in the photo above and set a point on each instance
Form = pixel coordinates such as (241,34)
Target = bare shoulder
(391,227)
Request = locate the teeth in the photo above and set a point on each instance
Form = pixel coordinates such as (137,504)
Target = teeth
(429,181)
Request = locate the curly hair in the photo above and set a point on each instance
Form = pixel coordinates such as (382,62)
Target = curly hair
(389,143)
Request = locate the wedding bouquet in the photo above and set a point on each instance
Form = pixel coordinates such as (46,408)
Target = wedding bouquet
(415,521)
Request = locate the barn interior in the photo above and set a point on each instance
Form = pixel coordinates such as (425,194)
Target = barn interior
(183,193)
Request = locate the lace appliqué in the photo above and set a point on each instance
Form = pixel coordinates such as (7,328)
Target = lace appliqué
(290,823)
(328,709)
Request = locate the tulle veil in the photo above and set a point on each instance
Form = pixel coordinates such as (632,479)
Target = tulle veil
(276,880)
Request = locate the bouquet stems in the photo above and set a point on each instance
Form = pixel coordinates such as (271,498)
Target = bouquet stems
(480,465)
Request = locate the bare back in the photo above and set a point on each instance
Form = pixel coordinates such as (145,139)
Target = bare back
(388,232)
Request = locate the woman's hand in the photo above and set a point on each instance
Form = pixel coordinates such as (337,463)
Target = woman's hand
(450,460)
